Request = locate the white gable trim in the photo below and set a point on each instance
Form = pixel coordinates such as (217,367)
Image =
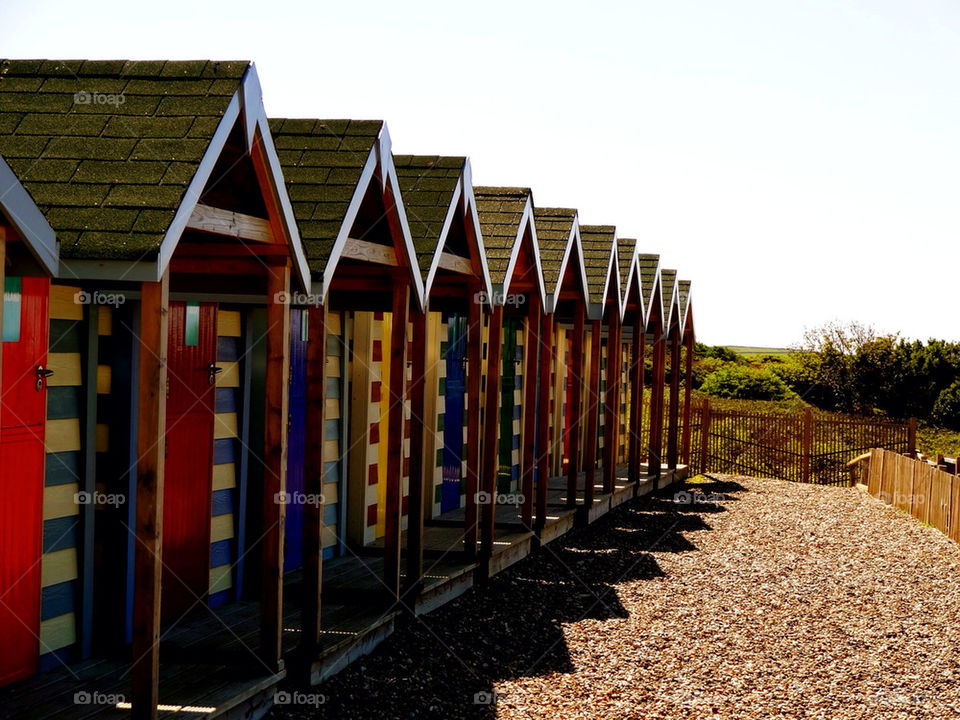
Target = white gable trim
(19,208)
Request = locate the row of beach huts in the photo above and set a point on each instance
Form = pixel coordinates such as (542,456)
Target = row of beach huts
(269,388)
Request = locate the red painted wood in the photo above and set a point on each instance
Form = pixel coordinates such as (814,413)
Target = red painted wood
(22,417)
(189,462)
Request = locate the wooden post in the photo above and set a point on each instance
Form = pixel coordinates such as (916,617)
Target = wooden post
(417,475)
(531,348)
(704,436)
(611,423)
(636,396)
(673,429)
(488,489)
(474,372)
(912,437)
(151,424)
(394,495)
(593,414)
(547,354)
(314,476)
(656,404)
(807,447)
(276,413)
(687,408)
(574,396)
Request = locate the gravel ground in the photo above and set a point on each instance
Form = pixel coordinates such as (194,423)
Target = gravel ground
(776,600)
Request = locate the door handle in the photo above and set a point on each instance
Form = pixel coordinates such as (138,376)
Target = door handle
(213,371)
(42,374)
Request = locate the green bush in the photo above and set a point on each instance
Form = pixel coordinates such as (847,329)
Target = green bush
(946,410)
(746,383)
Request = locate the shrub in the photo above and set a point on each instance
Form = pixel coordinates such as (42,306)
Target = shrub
(746,383)
(946,410)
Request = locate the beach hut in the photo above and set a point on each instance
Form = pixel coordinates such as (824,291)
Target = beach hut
(688,335)
(160,183)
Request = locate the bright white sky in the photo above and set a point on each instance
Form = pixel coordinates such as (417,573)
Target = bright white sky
(798,160)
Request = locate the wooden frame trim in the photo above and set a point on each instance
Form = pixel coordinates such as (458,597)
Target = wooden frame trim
(356,249)
(593,415)
(574,401)
(218,221)
(491,423)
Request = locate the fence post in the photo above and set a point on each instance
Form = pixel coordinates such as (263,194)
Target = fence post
(912,437)
(704,435)
(807,446)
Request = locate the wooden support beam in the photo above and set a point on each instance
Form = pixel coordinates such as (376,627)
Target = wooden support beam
(418,478)
(232,224)
(593,415)
(687,406)
(394,495)
(611,422)
(488,489)
(673,428)
(356,249)
(574,401)
(314,464)
(656,403)
(532,349)
(635,434)
(548,352)
(474,405)
(455,263)
(276,411)
(151,423)
(89,478)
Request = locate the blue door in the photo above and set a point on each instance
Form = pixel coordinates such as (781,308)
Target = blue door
(453,412)
(296,441)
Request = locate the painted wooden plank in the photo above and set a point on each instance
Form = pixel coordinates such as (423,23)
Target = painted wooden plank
(102,441)
(225,425)
(64,402)
(229,323)
(60,501)
(58,632)
(66,369)
(224,476)
(104,320)
(221,528)
(60,533)
(57,600)
(63,435)
(356,249)
(231,224)
(104,376)
(63,302)
(220,579)
(229,376)
(58,567)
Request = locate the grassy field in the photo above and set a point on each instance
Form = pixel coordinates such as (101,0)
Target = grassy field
(751,351)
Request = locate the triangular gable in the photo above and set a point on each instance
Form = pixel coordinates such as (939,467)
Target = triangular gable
(329,167)
(627,257)
(506,219)
(686,311)
(31,224)
(648,275)
(599,244)
(437,190)
(668,286)
(558,238)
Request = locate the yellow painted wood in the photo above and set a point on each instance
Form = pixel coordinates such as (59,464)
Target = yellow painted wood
(229,323)
(331,449)
(220,579)
(66,369)
(57,567)
(63,435)
(224,476)
(329,536)
(104,320)
(58,632)
(103,438)
(331,408)
(361,328)
(334,324)
(385,334)
(230,375)
(330,493)
(60,501)
(221,528)
(63,303)
(225,425)
(104,376)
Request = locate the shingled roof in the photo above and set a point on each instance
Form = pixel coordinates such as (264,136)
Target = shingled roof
(626,250)
(327,166)
(599,243)
(648,268)
(107,149)
(683,292)
(558,240)
(668,286)
(428,184)
(504,213)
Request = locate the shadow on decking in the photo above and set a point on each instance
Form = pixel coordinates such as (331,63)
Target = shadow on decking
(446,664)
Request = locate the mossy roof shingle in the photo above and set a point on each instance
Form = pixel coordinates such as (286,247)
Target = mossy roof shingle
(106,149)
(427,186)
(597,242)
(683,292)
(500,210)
(668,281)
(554,228)
(322,161)
(625,250)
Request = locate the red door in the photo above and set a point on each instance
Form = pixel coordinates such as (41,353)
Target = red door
(188,473)
(22,414)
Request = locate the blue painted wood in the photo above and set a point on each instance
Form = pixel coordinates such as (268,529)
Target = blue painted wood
(219,598)
(226,399)
(222,502)
(57,600)
(224,450)
(296,442)
(55,659)
(62,467)
(455,388)
(60,533)
(90,361)
(221,553)
(229,348)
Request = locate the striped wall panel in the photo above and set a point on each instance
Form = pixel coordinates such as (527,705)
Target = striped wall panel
(333,434)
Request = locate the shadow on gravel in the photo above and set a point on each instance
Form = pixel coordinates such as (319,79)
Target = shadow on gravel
(445,664)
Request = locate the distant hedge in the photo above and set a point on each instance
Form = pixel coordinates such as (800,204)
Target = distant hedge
(743,382)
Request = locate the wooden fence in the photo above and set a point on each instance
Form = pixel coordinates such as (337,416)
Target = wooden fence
(916,487)
(802,447)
